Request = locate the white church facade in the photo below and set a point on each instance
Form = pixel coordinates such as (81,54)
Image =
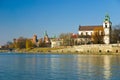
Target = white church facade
(92,32)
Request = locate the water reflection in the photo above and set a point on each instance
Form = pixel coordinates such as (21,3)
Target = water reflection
(59,67)
(97,66)
(89,66)
(107,67)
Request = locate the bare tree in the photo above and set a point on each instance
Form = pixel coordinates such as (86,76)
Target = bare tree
(66,38)
(115,35)
(98,35)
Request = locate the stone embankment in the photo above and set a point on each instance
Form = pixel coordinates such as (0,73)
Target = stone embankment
(91,49)
(80,49)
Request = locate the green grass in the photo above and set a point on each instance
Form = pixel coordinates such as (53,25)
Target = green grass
(34,50)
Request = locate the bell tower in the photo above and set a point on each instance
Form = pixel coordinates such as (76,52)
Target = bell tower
(107,29)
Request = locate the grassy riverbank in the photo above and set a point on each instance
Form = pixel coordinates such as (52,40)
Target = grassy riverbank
(37,50)
(81,49)
(74,50)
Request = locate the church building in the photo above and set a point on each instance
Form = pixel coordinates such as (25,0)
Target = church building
(47,40)
(97,33)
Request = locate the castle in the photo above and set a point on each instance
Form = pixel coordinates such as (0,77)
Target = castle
(99,33)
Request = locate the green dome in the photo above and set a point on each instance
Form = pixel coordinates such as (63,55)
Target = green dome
(107,18)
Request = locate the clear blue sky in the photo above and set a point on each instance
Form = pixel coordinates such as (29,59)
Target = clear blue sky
(28,17)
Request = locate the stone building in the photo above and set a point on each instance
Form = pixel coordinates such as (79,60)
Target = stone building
(98,32)
(34,39)
(56,42)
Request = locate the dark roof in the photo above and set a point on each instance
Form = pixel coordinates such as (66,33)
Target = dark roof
(89,28)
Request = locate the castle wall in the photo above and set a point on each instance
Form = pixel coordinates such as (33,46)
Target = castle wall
(92,49)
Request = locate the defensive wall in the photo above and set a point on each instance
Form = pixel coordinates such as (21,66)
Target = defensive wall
(92,49)
(102,48)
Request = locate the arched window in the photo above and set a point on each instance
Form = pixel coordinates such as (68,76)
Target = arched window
(105,25)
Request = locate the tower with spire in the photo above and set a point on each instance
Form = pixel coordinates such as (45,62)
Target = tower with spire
(107,29)
(46,39)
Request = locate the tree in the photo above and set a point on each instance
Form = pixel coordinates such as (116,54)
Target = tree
(10,44)
(20,43)
(67,40)
(29,44)
(98,35)
(115,35)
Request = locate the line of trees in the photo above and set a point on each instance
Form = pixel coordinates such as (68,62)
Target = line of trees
(22,43)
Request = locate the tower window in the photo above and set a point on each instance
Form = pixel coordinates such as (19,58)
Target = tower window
(105,25)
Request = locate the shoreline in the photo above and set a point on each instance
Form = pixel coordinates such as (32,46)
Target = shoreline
(81,49)
(64,53)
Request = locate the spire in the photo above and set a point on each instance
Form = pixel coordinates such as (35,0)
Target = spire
(107,17)
(45,34)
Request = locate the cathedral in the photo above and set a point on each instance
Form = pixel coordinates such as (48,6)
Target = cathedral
(97,33)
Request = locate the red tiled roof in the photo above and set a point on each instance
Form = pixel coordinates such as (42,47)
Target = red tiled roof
(89,28)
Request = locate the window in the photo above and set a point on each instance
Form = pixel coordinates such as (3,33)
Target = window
(81,33)
(86,33)
(105,25)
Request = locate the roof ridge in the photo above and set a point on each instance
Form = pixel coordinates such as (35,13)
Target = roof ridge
(90,25)
(82,28)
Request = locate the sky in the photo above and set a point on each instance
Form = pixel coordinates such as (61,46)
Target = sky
(28,17)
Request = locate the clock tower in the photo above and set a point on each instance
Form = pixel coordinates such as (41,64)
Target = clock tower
(107,29)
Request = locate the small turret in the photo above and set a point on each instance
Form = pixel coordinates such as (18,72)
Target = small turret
(45,34)
(46,38)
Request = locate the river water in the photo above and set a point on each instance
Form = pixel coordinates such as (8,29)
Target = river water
(59,67)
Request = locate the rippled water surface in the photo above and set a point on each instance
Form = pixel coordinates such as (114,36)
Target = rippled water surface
(59,67)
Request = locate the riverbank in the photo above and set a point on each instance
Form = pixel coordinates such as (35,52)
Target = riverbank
(92,49)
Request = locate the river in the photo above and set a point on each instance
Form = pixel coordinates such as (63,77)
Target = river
(14,66)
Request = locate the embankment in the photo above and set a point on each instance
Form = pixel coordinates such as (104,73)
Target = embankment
(91,49)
